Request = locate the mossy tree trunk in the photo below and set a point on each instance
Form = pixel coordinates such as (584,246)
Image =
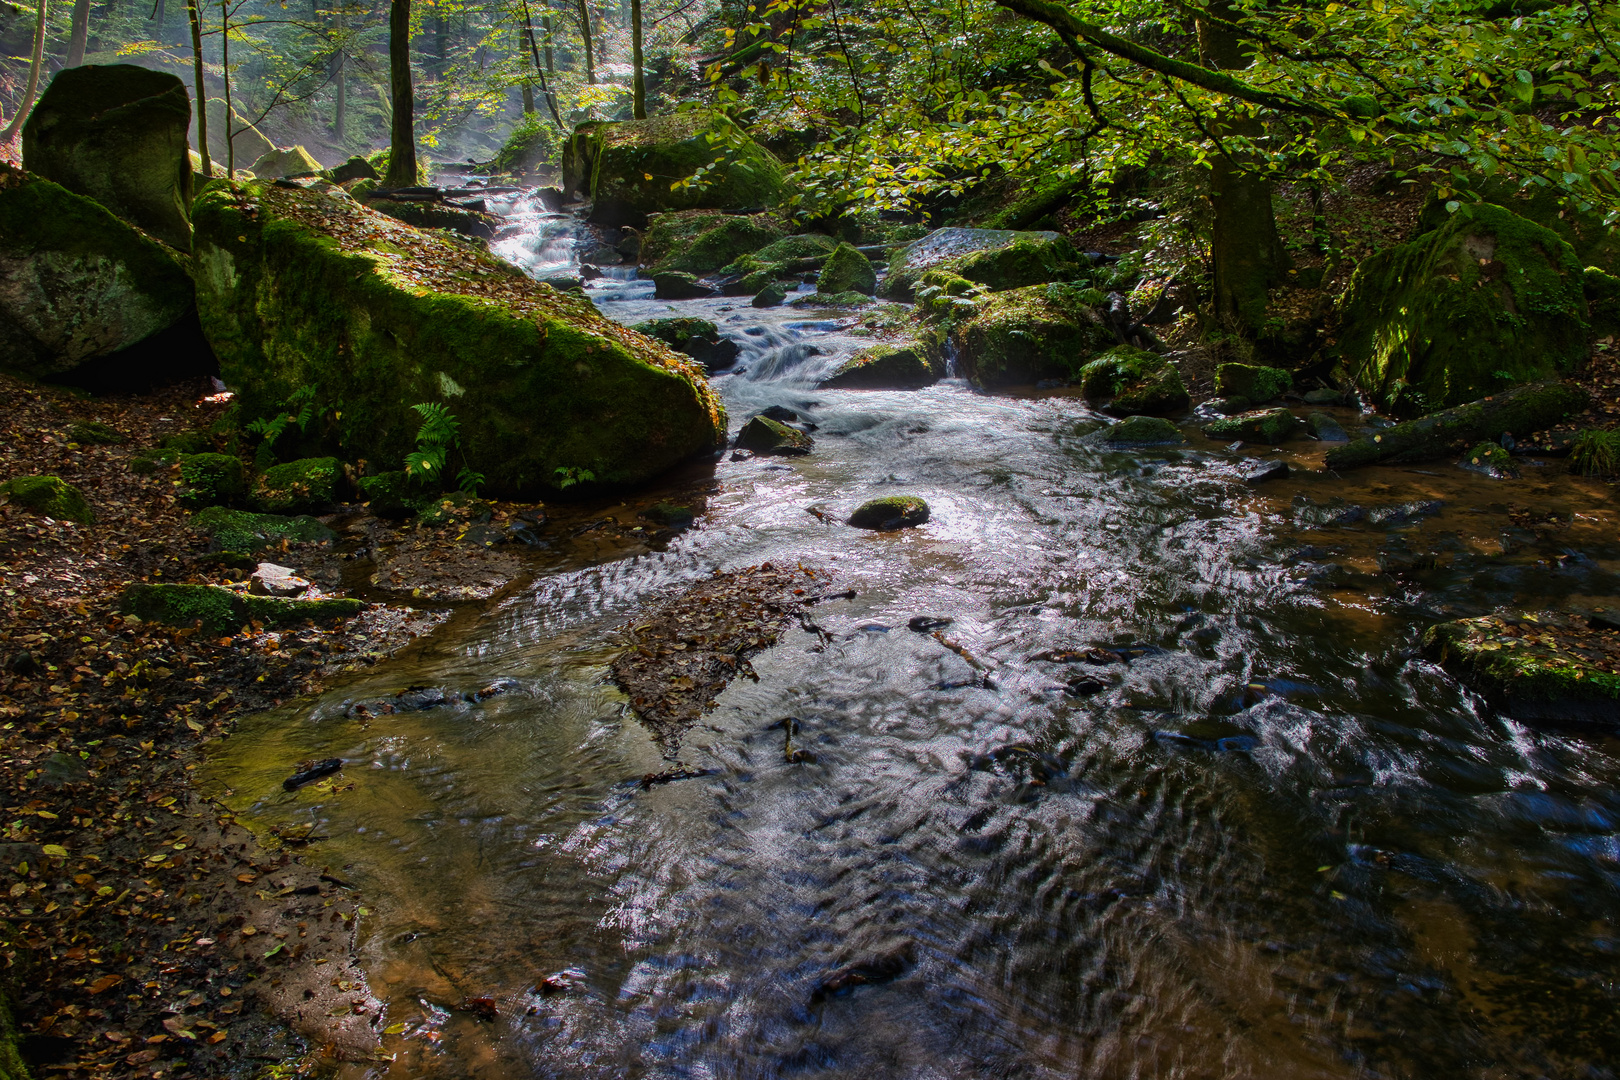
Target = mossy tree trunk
(402,149)
(79,35)
(1246,252)
(33,77)
(637,82)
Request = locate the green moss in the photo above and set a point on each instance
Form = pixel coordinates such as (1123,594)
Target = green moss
(1523,410)
(95,433)
(1531,674)
(1253,382)
(190,442)
(847,270)
(223,611)
(150,461)
(51,496)
(426,215)
(842,299)
(772,295)
(81,284)
(455,508)
(308,485)
(239,530)
(1026,335)
(996,258)
(890,512)
(1133,382)
(763,435)
(887,367)
(1271,426)
(534,145)
(211,480)
(1140,431)
(394,494)
(1491,458)
(679,332)
(702,241)
(292,161)
(12,1066)
(546,381)
(1602,291)
(798,246)
(1486,301)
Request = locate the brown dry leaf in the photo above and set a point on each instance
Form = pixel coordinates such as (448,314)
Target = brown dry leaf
(105,983)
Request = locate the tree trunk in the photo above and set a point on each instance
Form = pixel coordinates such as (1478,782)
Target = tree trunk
(33,78)
(159,17)
(1246,251)
(201,99)
(80,33)
(528,99)
(402,145)
(551,70)
(585,33)
(340,128)
(1522,409)
(225,75)
(441,44)
(638,83)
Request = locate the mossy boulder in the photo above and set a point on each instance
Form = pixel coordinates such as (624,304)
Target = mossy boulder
(627,168)
(847,270)
(1546,666)
(1484,302)
(51,496)
(1026,335)
(211,480)
(223,611)
(1252,382)
(1136,431)
(116,133)
(703,241)
(796,247)
(1268,426)
(150,461)
(95,433)
(301,287)
(996,258)
(890,512)
(455,508)
(1596,243)
(533,147)
(309,485)
(698,338)
(241,530)
(1134,382)
(772,295)
(285,163)
(394,494)
(356,168)
(905,366)
(428,215)
(77,283)
(763,435)
(1492,459)
(1602,290)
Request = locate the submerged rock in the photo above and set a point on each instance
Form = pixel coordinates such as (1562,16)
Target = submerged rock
(905,366)
(51,496)
(1132,382)
(1271,426)
(301,287)
(678,285)
(1486,301)
(1492,459)
(1026,335)
(1548,666)
(76,283)
(890,512)
(763,435)
(997,258)
(117,134)
(627,168)
(772,295)
(1326,428)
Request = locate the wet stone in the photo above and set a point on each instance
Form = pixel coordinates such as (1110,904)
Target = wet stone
(763,435)
(1325,427)
(1140,431)
(270,579)
(890,512)
(1266,470)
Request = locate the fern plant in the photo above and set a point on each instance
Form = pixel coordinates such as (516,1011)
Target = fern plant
(439,434)
(568,476)
(302,400)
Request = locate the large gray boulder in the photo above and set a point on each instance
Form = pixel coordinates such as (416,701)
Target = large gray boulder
(117,134)
(76,283)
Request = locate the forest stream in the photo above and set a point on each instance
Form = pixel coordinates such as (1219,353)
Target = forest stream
(1274,842)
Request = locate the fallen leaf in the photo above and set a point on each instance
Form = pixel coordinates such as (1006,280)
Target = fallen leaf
(105,983)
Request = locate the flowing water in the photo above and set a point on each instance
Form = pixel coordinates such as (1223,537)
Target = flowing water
(1277,843)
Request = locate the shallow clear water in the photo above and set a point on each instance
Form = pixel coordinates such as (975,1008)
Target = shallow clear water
(1276,844)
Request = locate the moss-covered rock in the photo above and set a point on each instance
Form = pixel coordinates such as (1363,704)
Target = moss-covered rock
(223,611)
(150,461)
(51,496)
(116,133)
(1139,431)
(906,366)
(1522,410)
(1026,335)
(1595,242)
(698,338)
(703,241)
(1486,301)
(763,435)
(77,283)
(302,288)
(628,167)
(285,162)
(796,247)
(847,270)
(240,530)
(1546,666)
(890,512)
(1133,382)
(1602,291)
(1268,426)
(679,285)
(211,480)
(95,433)
(356,168)
(12,1065)
(308,485)
(533,147)
(394,494)
(1492,459)
(430,215)
(772,295)
(1252,382)
(454,508)
(830,300)
(997,258)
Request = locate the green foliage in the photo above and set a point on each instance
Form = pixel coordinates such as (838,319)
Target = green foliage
(211,480)
(301,402)
(439,434)
(1595,453)
(240,530)
(568,476)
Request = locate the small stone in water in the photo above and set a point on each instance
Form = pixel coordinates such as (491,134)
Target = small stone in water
(1085,686)
(890,512)
(1268,470)
(927,624)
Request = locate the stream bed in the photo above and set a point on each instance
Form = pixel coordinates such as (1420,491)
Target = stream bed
(1275,842)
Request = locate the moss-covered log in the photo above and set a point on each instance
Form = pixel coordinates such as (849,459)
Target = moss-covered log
(223,611)
(1522,410)
(1543,666)
(305,288)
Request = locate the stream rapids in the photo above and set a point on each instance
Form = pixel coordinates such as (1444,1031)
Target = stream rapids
(1277,842)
